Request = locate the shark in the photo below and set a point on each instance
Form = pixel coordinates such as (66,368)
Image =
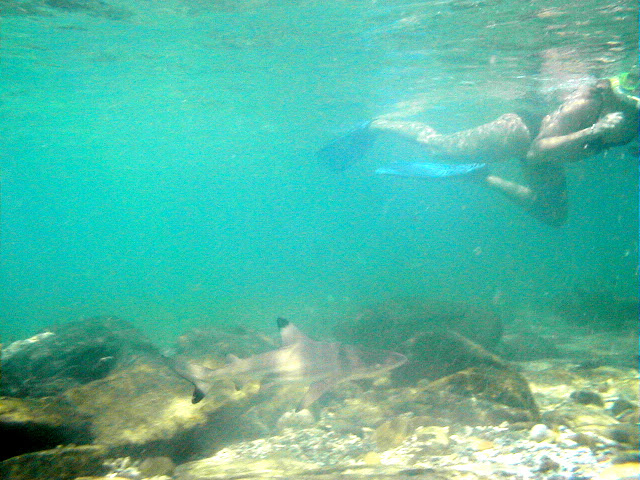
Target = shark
(320,365)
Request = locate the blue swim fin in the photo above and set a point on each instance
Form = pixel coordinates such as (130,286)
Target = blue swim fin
(435,170)
(345,151)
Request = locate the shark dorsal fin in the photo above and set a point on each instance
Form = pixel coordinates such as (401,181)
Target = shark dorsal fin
(289,333)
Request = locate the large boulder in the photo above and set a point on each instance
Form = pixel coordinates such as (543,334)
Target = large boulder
(392,323)
(598,309)
(100,381)
(30,424)
(64,463)
(69,355)
(445,341)
(147,408)
(438,337)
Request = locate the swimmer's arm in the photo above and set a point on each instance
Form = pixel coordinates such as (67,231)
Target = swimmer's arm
(570,147)
(577,145)
(560,140)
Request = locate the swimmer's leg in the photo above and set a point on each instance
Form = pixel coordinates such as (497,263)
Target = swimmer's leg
(544,197)
(504,138)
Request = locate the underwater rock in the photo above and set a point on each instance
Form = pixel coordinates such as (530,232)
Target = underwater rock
(134,469)
(593,425)
(539,432)
(439,406)
(576,415)
(525,346)
(598,309)
(146,408)
(547,464)
(222,342)
(430,333)
(621,471)
(632,456)
(69,355)
(117,392)
(64,463)
(436,440)
(304,454)
(292,419)
(622,405)
(393,432)
(156,466)
(497,385)
(389,324)
(587,397)
(467,369)
(433,439)
(39,424)
(626,433)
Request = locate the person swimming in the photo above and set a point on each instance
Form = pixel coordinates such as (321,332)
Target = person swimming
(592,119)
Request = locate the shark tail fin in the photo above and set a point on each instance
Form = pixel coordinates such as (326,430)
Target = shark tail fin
(198,395)
(197,375)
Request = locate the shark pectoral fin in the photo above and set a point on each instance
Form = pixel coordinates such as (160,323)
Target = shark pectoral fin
(316,390)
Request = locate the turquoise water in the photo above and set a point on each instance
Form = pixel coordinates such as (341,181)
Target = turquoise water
(157,159)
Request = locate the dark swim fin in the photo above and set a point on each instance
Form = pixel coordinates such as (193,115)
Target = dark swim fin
(435,170)
(345,151)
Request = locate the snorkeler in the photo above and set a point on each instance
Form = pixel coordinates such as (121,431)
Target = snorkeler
(591,120)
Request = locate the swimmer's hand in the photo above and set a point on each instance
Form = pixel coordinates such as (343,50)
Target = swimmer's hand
(607,123)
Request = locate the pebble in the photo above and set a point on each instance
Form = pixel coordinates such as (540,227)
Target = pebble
(620,471)
(547,464)
(621,405)
(292,419)
(539,432)
(587,397)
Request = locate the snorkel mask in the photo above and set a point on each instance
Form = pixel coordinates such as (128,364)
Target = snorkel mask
(626,83)
(629,82)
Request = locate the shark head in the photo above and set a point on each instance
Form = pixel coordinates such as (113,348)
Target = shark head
(358,363)
(392,360)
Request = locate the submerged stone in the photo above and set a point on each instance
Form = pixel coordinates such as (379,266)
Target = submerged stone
(498,385)
(65,463)
(621,471)
(290,469)
(625,433)
(393,432)
(598,309)
(388,324)
(147,408)
(587,397)
(28,425)
(69,355)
